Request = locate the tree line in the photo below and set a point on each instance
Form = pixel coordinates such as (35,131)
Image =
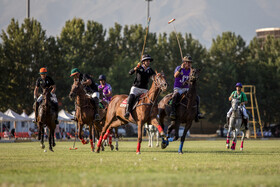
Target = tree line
(25,48)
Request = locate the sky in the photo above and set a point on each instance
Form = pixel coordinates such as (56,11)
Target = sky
(204,19)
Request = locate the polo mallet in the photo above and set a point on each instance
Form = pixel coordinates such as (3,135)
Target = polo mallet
(147,30)
(74,148)
(171,21)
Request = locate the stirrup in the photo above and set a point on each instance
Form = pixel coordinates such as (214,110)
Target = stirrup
(97,117)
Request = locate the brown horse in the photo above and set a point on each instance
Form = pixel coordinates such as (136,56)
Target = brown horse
(85,113)
(46,116)
(145,111)
(186,111)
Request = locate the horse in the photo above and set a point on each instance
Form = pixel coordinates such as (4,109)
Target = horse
(144,112)
(235,125)
(151,132)
(46,116)
(186,111)
(85,113)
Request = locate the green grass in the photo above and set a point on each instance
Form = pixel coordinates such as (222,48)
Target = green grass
(204,163)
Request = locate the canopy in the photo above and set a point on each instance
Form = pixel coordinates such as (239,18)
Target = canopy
(68,117)
(16,116)
(32,116)
(26,116)
(4,117)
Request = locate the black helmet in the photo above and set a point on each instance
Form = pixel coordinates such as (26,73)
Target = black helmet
(187,58)
(146,57)
(102,77)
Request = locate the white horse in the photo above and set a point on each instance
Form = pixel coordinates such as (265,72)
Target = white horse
(235,125)
(152,131)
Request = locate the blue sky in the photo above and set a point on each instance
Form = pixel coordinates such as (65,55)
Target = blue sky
(204,19)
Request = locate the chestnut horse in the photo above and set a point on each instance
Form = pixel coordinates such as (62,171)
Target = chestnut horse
(85,113)
(46,116)
(145,111)
(186,111)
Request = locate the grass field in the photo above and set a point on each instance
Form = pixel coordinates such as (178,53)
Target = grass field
(204,163)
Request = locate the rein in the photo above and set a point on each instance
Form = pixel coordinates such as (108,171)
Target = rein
(151,102)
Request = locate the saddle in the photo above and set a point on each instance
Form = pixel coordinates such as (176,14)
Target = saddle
(136,101)
(169,102)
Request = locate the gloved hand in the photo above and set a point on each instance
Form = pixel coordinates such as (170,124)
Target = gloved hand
(138,65)
(35,98)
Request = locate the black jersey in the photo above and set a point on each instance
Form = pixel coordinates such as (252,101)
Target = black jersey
(88,88)
(45,83)
(142,77)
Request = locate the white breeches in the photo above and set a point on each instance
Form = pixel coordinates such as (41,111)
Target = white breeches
(137,91)
(180,90)
(243,110)
(53,98)
(95,94)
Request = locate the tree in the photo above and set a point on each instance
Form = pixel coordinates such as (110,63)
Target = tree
(225,67)
(22,53)
(265,67)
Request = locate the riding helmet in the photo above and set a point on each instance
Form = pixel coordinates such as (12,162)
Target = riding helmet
(146,57)
(102,77)
(238,85)
(43,71)
(74,72)
(187,58)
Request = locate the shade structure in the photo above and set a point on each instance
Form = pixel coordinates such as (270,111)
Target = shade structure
(68,117)
(16,116)
(5,118)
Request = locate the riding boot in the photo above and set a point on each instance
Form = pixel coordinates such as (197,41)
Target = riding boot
(96,108)
(36,111)
(198,114)
(56,112)
(173,106)
(129,105)
(245,122)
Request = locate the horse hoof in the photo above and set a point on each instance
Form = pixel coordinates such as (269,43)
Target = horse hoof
(112,147)
(97,150)
(138,153)
(54,144)
(227,146)
(241,149)
(51,149)
(180,152)
(163,145)
(117,148)
(42,146)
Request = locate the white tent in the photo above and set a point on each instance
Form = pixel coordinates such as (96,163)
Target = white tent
(67,123)
(62,113)
(32,115)
(15,115)
(4,118)
(21,124)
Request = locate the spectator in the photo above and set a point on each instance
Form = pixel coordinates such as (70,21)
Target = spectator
(57,132)
(13,132)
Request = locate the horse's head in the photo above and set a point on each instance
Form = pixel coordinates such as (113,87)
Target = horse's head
(47,94)
(194,75)
(234,104)
(160,81)
(76,89)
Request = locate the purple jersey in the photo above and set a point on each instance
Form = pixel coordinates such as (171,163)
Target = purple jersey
(184,75)
(106,89)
